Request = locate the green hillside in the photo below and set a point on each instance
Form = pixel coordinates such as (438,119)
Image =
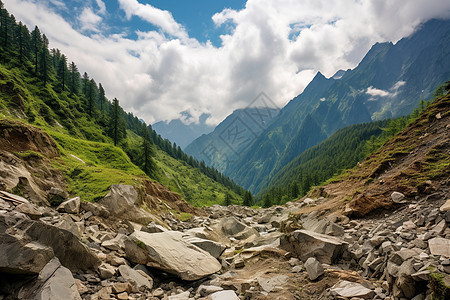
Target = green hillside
(99,143)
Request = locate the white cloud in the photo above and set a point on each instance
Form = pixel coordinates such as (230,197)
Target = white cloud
(377,92)
(101,7)
(158,17)
(89,20)
(393,91)
(274,46)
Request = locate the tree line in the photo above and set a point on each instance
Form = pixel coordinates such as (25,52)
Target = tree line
(51,69)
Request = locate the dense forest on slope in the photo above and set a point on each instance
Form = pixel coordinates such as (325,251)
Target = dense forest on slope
(343,150)
(389,82)
(38,85)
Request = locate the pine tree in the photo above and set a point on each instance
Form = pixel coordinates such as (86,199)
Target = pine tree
(36,43)
(85,83)
(101,96)
(248,199)
(91,97)
(73,78)
(117,125)
(62,71)
(267,201)
(227,201)
(44,59)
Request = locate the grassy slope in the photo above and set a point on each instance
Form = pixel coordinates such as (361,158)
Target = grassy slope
(196,188)
(102,164)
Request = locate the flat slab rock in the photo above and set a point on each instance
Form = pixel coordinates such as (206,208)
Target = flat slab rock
(439,246)
(349,289)
(325,248)
(168,251)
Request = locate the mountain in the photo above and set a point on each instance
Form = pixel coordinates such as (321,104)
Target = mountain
(389,82)
(232,136)
(180,133)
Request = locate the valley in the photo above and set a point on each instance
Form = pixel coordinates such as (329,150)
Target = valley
(343,193)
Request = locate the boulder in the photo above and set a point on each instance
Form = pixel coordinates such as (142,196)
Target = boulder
(326,249)
(168,251)
(313,268)
(231,227)
(135,276)
(116,243)
(65,245)
(349,289)
(30,210)
(54,282)
(439,246)
(205,290)
(18,256)
(71,206)
(106,271)
(95,209)
(121,201)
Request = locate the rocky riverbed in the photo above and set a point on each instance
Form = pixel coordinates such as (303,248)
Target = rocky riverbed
(82,250)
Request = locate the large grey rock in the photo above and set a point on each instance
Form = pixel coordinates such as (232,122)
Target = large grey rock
(66,246)
(54,282)
(313,268)
(224,295)
(71,206)
(17,256)
(169,252)
(322,226)
(349,289)
(213,248)
(121,201)
(439,246)
(96,209)
(135,276)
(116,243)
(231,227)
(326,249)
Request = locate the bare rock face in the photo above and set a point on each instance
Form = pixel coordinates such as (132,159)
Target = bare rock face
(326,249)
(168,251)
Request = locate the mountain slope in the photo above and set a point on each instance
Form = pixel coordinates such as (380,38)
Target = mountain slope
(416,162)
(81,122)
(231,137)
(389,82)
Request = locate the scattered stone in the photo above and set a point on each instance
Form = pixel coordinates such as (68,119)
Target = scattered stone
(313,268)
(445,207)
(134,276)
(239,263)
(205,290)
(439,246)
(271,283)
(398,197)
(224,295)
(326,249)
(349,289)
(153,228)
(71,206)
(106,271)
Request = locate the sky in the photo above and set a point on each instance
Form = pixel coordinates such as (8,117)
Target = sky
(161,58)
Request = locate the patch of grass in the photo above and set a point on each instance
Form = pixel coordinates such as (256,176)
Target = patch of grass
(141,245)
(103,166)
(184,216)
(29,154)
(441,290)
